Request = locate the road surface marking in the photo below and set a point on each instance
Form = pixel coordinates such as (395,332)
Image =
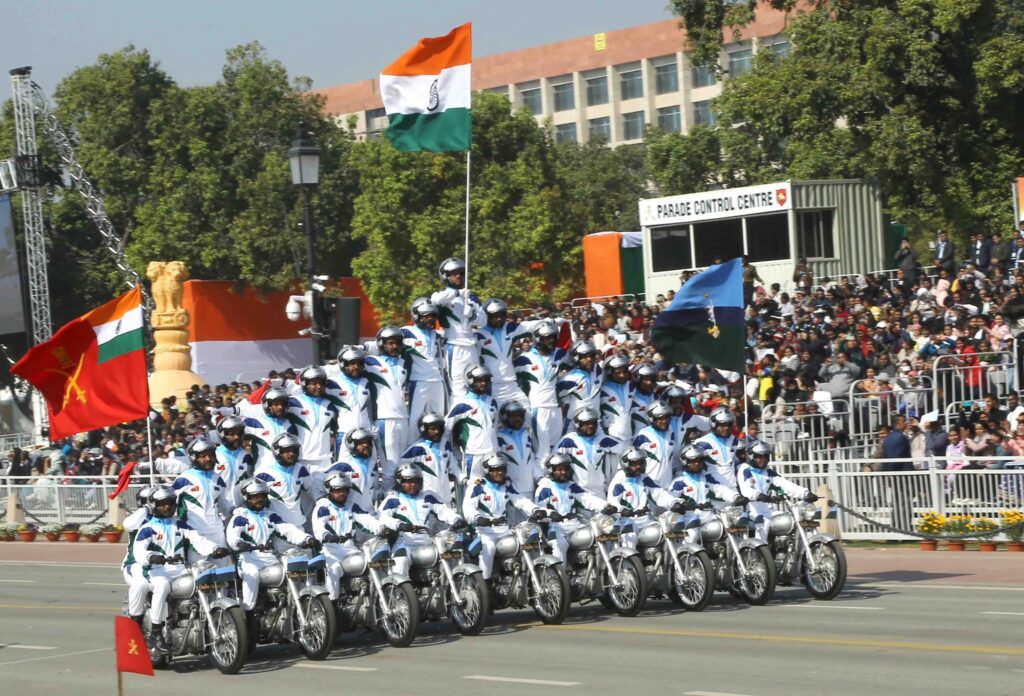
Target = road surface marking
(830,606)
(915,585)
(799,639)
(56,564)
(55,657)
(61,607)
(106,584)
(544,682)
(710,693)
(308,665)
(27,647)
(24,581)
(1004,613)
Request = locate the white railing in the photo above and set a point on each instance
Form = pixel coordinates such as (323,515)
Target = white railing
(897,498)
(12,440)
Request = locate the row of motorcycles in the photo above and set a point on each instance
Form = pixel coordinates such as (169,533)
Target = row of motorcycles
(685,558)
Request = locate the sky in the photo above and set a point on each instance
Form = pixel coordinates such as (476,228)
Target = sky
(330,42)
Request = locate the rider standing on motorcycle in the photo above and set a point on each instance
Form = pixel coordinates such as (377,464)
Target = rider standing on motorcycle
(616,398)
(161,546)
(335,521)
(516,443)
(318,414)
(286,480)
(487,506)
(433,455)
(656,441)
(720,446)
(632,491)
(234,464)
(251,532)
(563,499)
(472,422)
(360,465)
(408,509)
(696,488)
(760,483)
(587,450)
(131,569)
(645,378)
(199,490)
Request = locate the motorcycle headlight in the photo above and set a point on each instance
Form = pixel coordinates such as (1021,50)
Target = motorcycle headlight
(808,511)
(733,516)
(200,567)
(669,520)
(603,524)
(375,549)
(448,539)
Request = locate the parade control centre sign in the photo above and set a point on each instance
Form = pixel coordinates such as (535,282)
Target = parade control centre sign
(715,205)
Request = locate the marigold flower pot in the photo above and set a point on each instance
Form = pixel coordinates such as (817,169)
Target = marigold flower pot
(929,545)
(72,535)
(92,538)
(29,535)
(1015,546)
(112,537)
(987,546)
(53,536)
(956,546)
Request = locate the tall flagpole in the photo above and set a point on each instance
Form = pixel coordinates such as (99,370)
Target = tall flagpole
(152,458)
(468,161)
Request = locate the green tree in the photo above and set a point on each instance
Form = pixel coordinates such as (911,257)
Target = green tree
(919,96)
(679,163)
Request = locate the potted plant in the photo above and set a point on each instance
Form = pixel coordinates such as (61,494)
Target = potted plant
(52,531)
(981,525)
(1014,519)
(931,523)
(71,532)
(957,525)
(27,532)
(7,531)
(112,533)
(92,532)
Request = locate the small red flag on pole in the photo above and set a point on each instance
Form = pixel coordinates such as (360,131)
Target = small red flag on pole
(123,479)
(130,646)
(564,336)
(257,396)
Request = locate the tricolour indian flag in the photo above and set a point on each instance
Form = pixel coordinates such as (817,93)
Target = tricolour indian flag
(427,94)
(92,373)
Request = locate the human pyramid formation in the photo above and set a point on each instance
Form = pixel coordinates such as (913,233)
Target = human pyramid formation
(503,433)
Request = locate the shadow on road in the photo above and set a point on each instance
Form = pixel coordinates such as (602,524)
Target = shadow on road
(906,576)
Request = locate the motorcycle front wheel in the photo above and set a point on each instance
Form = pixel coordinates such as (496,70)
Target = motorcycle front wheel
(628,598)
(468,609)
(231,647)
(401,624)
(316,637)
(552,602)
(829,575)
(693,590)
(758,586)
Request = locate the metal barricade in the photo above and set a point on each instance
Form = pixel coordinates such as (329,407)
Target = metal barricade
(970,377)
(799,430)
(871,409)
(629,298)
(13,440)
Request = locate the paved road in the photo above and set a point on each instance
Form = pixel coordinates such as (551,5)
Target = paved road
(936,633)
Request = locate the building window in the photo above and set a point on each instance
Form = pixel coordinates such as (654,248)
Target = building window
(601,128)
(666,79)
(670,249)
(814,235)
(718,240)
(631,84)
(597,90)
(565,98)
(633,125)
(531,100)
(702,113)
(768,237)
(376,121)
(669,120)
(565,133)
(780,48)
(741,62)
(704,76)
(500,91)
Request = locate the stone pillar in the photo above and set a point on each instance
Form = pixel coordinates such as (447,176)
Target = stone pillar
(115,513)
(172,356)
(15,515)
(828,526)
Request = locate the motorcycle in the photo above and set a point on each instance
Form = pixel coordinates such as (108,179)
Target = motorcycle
(743,566)
(521,579)
(674,567)
(801,554)
(292,606)
(203,616)
(370,595)
(599,567)
(446,583)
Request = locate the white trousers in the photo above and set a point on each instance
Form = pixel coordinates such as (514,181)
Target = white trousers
(160,578)
(460,359)
(503,392)
(393,437)
(334,554)
(547,429)
(249,565)
(138,589)
(424,397)
(489,537)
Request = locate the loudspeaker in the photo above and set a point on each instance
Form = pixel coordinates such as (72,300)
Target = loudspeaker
(344,323)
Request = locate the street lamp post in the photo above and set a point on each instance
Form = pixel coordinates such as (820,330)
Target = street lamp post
(304,158)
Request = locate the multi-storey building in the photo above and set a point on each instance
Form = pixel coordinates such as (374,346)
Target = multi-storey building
(608,85)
